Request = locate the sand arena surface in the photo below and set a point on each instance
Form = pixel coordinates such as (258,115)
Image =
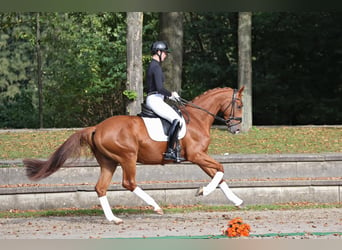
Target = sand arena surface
(306,221)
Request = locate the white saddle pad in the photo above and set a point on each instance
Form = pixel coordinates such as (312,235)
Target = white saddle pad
(155,129)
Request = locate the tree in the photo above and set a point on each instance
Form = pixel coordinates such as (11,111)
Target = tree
(245,66)
(134,85)
(17,70)
(171,31)
(296,64)
(86,68)
(39,71)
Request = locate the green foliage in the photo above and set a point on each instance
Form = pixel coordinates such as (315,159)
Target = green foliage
(296,63)
(16,71)
(18,110)
(297,59)
(296,72)
(84,68)
(88,79)
(130,94)
(210,52)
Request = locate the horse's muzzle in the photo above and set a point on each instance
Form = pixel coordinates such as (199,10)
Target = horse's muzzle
(234,129)
(237,131)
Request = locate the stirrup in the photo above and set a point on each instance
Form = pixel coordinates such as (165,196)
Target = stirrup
(172,155)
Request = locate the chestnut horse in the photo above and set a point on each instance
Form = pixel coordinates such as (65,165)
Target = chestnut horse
(124,140)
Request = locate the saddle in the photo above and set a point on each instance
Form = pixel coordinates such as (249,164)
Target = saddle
(156,125)
(147,112)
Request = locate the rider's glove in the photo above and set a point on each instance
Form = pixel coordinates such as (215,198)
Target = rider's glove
(175,96)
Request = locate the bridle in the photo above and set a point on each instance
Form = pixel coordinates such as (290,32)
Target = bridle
(216,117)
(232,112)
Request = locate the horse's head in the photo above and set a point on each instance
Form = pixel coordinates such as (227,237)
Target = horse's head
(232,112)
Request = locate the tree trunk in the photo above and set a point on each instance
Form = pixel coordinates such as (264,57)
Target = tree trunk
(245,66)
(171,31)
(134,85)
(39,72)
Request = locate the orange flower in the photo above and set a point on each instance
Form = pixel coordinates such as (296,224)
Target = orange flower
(237,228)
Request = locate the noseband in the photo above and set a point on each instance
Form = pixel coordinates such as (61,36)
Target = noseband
(232,112)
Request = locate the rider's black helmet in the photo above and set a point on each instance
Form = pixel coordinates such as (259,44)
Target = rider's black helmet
(159,45)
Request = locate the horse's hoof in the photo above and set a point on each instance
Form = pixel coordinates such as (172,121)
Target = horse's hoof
(118,222)
(241,206)
(159,211)
(199,191)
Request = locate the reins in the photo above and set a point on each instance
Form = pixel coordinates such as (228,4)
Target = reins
(184,102)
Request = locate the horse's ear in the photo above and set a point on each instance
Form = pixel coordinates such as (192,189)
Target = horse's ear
(241,89)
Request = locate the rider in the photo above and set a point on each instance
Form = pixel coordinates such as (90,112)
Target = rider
(155,98)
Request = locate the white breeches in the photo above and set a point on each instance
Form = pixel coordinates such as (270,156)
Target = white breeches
(161,108)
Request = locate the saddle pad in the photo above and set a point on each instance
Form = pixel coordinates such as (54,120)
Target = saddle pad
(155,129)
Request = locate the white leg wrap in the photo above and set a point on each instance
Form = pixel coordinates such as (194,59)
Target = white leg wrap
(230,195)
(108,211)
(145,197)
(213,183)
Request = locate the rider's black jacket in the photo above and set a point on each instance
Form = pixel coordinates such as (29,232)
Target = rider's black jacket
(155,79)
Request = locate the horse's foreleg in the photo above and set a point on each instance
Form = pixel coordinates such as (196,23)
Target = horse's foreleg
(211,185)
(215,171)
(230,195)
(212,168)
(224,187)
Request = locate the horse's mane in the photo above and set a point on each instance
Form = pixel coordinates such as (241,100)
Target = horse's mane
(210,91)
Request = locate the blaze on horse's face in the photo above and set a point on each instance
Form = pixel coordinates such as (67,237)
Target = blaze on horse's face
(233,113)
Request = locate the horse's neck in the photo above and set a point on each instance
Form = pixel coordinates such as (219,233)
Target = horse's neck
(209,102)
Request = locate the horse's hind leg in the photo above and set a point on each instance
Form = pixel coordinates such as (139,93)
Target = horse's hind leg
(148,199)
(107,170)
(129,182)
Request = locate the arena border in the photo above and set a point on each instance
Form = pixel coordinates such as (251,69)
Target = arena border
(259,179)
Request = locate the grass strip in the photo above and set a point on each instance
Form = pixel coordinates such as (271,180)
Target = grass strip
(167,209)
(259,140)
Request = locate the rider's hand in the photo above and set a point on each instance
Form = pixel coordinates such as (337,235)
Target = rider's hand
(175,96)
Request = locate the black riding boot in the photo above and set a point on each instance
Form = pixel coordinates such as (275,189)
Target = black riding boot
(173,152)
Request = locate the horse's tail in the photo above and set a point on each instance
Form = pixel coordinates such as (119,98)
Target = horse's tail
(70,149)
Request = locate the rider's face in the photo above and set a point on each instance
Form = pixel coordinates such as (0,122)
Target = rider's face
(163,55)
